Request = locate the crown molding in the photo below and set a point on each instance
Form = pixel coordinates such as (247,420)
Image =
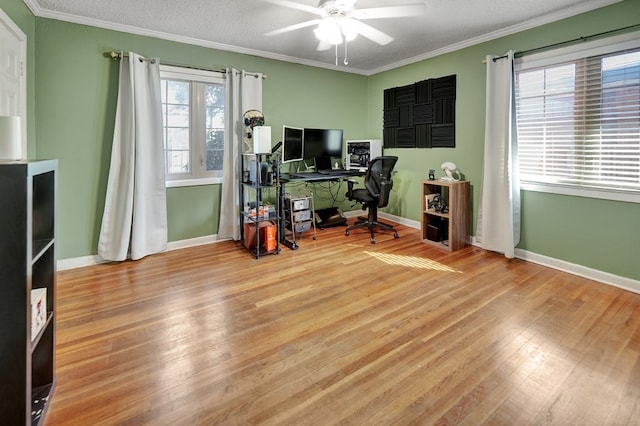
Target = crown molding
(34,7)
(578,9)
(583,7)
(98,23)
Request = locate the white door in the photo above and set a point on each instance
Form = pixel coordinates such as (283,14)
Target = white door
(13,79)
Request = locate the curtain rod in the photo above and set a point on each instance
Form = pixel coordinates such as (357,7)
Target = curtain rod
(120,55)
(562,43)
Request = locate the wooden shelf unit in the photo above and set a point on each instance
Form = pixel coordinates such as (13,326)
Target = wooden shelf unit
(455,222)
(27,262)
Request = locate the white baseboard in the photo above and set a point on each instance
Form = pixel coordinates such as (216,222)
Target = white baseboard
(561,265)
(575,269)
(79,262)
(581,271)
(192,242)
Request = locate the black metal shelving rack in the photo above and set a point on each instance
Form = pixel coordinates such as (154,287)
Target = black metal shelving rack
(254,182)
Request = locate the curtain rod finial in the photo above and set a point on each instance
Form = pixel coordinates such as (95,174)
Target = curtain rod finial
(113,55)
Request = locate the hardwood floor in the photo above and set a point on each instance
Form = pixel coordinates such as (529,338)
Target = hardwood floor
(341,331)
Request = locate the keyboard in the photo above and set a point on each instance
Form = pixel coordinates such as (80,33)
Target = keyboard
(335,172)
(305,175)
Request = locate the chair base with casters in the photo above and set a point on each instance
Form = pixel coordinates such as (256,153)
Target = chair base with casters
(378,184)
(371,222)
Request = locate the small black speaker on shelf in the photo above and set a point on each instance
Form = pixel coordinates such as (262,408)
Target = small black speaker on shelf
(436,229)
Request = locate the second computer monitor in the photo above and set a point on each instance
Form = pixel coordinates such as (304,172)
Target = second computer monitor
(322,143)
(292,144)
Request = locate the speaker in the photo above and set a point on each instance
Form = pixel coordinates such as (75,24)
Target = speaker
(262,140)
(264,177)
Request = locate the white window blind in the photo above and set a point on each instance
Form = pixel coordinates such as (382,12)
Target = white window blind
(579,121)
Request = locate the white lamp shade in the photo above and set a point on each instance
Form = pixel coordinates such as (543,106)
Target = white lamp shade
(262,139)
(10,138)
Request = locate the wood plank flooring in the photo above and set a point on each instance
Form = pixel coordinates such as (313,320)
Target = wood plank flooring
(344,332)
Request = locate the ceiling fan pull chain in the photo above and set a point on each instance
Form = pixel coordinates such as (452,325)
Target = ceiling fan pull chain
(336,55)
(346,60)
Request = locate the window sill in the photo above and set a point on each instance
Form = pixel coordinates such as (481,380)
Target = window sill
(192,182)
(602,194)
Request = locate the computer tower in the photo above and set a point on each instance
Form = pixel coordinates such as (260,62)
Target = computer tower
(360,152)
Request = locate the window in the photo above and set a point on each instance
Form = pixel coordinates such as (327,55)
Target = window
(578,118)
(193,125)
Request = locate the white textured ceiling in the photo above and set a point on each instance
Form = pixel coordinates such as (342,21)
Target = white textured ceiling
(240,25)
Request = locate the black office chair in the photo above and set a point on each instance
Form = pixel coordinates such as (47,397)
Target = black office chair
(378,184)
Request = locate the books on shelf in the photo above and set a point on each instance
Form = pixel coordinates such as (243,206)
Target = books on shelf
(38,310)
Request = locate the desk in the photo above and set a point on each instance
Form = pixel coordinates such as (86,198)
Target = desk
(302,177)
(315,176)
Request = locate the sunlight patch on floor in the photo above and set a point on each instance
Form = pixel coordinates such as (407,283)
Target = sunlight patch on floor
(411,261)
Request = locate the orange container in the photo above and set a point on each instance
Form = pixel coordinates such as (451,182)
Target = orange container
(270,237)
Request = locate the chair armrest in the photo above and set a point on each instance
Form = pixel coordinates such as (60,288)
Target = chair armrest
(350,183)
(385,190)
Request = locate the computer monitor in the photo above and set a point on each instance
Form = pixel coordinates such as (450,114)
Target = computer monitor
(292,144)
(322,143)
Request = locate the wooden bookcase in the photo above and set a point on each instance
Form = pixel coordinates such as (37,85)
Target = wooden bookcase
(27,262)
(448,229)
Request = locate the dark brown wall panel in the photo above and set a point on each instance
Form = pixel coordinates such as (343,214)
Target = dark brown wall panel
(421,115)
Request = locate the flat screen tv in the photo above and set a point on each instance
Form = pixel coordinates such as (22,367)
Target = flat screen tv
(322,143)
(292,144)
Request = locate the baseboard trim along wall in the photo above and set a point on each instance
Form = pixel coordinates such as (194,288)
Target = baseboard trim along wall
(581,271)
(561,265)
(79,262)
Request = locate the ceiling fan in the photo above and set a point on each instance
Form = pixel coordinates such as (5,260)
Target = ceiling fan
(339,21)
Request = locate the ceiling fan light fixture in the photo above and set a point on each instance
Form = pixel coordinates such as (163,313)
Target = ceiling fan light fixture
(339,21)
(349,29)
(329,30)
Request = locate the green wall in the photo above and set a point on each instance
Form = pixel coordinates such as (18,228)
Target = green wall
(604,235)
(72,96)
(76,90)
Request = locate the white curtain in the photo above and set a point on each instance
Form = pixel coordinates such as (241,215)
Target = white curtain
(498,227)
(134,223)
(244,92)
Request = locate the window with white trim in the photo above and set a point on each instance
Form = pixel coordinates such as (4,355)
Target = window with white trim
(193,125)
(578,118)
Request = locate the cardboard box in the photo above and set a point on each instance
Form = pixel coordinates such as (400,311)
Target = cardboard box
(268,235)
(38,310)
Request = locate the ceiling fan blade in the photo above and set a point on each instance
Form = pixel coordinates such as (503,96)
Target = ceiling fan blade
(293,27)
(372,34)
(391,11)
(323,45)
(294,5)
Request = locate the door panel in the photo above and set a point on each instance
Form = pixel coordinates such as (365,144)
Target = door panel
(13,81)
